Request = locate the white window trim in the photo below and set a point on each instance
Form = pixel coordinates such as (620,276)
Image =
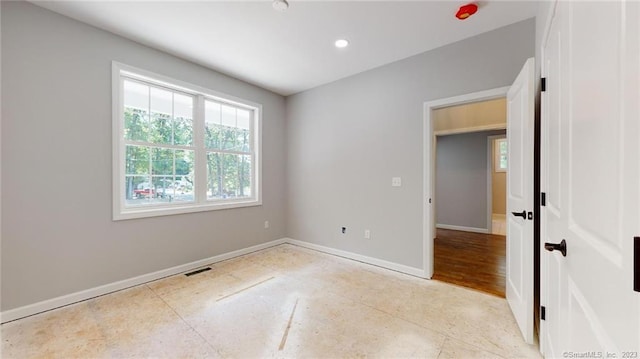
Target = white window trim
(120,212)
(496,151)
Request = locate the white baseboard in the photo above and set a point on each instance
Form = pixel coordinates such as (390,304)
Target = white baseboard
(418,272)
(49,304)
(68,299)
(462,228)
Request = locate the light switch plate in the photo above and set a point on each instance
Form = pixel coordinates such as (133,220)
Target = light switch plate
(396,182)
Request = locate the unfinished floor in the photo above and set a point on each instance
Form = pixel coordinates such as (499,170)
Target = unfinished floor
(286,302)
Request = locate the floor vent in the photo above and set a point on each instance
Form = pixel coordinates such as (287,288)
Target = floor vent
(197,271)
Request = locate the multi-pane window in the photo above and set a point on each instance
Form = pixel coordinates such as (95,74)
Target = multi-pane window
(159,149)
(228,143)
(180,148)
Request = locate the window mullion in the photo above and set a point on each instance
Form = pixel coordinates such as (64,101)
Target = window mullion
(201,154)
(158,145)
(229,152)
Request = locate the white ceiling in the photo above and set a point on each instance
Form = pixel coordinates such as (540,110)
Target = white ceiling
(292,51)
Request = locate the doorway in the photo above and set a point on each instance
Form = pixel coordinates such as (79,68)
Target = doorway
(429,219)
(521,191)
(498,179)
(470,195)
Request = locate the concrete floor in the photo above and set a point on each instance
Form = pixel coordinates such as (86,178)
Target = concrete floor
(282,302)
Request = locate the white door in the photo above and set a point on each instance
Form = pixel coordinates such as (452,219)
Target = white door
(520,131)
(590,177)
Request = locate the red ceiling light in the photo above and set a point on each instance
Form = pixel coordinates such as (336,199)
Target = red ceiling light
(466,10)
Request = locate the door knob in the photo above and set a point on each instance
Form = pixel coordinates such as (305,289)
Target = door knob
(522,214)
(562,247)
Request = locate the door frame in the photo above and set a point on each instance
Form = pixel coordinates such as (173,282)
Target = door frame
(539,285)
(429,163)
(490,159)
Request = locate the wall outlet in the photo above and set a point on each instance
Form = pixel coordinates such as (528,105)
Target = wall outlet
(266,224)
(396,181)
(367,234)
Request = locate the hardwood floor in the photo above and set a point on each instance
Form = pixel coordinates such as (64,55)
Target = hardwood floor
(471,260)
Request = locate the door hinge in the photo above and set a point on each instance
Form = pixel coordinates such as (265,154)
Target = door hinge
(636,264)
(543,312)
(543,84)
(543,199)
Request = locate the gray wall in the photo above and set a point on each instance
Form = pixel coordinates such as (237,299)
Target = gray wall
(461,179)
(57,233)
(347,139)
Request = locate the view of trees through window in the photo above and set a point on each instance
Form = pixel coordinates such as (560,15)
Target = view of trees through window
(160,153)
(228,143)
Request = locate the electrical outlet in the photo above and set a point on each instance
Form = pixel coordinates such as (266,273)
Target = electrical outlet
(367,234)
(266,224)
(396,181)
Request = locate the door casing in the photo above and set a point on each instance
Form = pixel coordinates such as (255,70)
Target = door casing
(429,164)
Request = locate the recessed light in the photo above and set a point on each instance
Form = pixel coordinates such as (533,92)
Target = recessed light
(280,5)
(342,43)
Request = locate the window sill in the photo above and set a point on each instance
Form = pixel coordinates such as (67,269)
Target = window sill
(133,213)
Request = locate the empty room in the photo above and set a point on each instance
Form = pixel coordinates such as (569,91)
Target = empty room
(259,179)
